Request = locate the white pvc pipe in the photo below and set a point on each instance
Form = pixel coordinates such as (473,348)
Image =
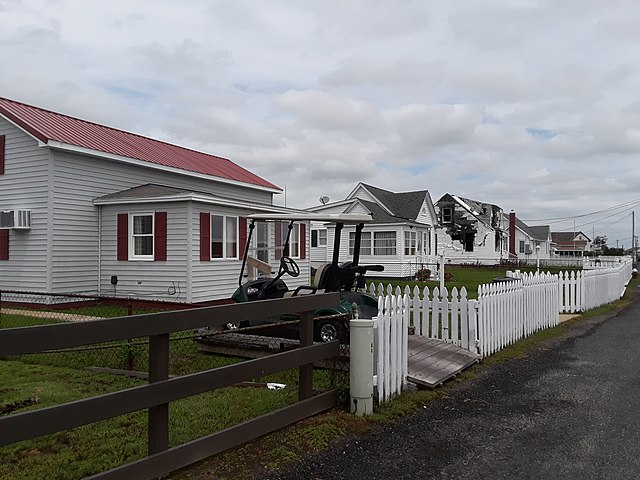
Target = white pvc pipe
(361,367)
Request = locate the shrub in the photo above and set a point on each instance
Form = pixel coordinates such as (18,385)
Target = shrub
(423,274)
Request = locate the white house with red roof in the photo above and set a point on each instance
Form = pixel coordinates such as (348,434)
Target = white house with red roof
(88,208)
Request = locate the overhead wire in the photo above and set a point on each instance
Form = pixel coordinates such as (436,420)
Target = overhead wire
(630,204)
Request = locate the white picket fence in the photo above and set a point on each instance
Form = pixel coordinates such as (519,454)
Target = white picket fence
(391,345)
(510,311)
(599,284)
(504,313)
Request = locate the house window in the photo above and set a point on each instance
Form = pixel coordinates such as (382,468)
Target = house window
(141,241)
(365,243)
(521,246)
(262,241)
(322,237)
(294,240)
(224,236)
(384,243)
(410,239)
(447,214)
(319,237)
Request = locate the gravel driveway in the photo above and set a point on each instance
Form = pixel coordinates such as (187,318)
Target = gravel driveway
(569,410)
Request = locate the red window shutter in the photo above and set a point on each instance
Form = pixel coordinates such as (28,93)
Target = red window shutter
(278,251)
(160,237)
(123,236)
(205,236)
(4,244)
(242,237)
(303,241)
(2,144)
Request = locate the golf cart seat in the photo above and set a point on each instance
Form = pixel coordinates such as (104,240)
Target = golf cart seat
(320,277)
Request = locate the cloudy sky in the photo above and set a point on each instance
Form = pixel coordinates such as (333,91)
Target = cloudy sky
(531,105)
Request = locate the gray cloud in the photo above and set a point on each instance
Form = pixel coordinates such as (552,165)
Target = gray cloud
(533,106)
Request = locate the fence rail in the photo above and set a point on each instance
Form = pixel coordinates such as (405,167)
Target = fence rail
(162,390)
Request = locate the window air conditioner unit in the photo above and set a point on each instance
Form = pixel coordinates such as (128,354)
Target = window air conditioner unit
(15,219)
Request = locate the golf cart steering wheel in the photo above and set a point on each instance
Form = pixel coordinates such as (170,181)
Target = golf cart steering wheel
(288,266)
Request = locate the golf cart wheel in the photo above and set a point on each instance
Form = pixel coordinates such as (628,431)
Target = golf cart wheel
(328,331)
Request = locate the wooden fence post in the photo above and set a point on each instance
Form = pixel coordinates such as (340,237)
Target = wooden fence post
(305,372)
(158,423)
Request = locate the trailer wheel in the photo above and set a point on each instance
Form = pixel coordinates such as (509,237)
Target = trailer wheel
(327,331)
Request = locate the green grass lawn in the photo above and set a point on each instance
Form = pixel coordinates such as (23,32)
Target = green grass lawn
(45,379)
(93,448)
(36,381)
(469,277)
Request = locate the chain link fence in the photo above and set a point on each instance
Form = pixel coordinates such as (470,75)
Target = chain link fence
(191,351)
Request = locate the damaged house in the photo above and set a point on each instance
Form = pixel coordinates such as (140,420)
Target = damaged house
(471,231)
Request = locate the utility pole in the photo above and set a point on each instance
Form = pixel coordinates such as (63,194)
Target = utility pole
(633,238)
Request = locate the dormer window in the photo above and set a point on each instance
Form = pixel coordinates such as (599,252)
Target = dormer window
(447,215)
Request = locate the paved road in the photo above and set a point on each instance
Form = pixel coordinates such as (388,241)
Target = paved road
(570,410)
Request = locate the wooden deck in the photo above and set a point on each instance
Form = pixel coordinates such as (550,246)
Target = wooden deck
(432,362)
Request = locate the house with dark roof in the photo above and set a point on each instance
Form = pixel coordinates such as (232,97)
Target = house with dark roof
(401,236)
(471,231)
(88,208)
(524,240)
(571,244)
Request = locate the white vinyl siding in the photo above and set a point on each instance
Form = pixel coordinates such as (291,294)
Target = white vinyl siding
(79,180)
(167,280)
(25,185)
(218,280)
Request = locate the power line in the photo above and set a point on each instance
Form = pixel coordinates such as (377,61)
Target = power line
(630,204)
(599,219)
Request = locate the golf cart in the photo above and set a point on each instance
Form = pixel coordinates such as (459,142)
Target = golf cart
(347,278)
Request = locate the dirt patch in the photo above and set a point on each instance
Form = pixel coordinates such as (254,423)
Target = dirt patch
(8,408)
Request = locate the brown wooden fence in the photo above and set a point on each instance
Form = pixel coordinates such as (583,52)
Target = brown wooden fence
(162,390)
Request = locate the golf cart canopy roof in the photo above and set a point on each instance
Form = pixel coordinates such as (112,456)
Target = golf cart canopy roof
(344,218)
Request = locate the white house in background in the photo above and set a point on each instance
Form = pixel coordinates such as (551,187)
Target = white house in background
(91,209)
(524,240)
(471,231)
(571,244)
(401,236)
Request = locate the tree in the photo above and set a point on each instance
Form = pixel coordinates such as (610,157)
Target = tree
(600,242)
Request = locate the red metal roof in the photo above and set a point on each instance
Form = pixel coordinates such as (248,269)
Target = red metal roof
(46,125)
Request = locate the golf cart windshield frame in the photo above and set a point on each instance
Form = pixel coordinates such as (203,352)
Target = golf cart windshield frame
(340,221)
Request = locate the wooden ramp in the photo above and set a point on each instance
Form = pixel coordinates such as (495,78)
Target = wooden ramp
(431,362)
